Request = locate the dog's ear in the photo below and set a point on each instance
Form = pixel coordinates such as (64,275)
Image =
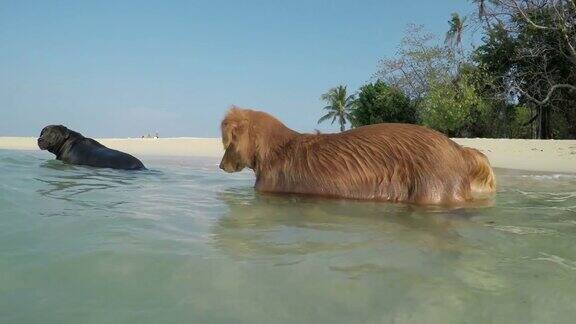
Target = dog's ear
(232,130)
(228,131)
(65,132)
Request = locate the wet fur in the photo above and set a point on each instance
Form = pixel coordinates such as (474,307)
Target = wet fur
(73,148)
(389,162)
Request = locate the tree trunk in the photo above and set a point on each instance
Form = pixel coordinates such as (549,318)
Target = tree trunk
(570,116)
(544,130)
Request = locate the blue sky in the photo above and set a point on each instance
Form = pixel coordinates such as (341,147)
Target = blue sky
(127,68)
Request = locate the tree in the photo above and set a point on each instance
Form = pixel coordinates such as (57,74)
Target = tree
(378,103)
(418,63)
(454,34)
(453,108)
(339,106)
(531,45)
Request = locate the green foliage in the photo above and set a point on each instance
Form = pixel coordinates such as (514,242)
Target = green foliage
(526,52)
(452,107)
(496,55)
(519,127)
(379,103)
(520,83)
(339,106)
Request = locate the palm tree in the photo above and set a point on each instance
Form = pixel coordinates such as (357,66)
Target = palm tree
(339,106)
(481,8)
(454,34)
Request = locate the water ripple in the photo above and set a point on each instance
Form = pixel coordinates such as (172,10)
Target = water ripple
(520,230)
(569,264)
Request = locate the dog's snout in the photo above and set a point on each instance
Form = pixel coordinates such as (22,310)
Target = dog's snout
(40,142)
(228,167)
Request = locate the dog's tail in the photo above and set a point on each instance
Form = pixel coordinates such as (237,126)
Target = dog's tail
(482,180)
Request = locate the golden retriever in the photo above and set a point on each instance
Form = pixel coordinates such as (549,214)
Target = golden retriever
(388,162)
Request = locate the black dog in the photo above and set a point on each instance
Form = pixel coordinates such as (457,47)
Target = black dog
(71,147)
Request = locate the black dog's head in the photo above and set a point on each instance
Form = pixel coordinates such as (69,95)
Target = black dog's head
(52,137)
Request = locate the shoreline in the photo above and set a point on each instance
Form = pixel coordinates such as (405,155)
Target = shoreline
(519,154)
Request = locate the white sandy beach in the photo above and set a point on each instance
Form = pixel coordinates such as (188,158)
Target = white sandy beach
(535,155)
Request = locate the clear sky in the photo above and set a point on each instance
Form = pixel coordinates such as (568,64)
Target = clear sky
(128,68)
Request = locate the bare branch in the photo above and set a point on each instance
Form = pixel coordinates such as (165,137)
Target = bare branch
(528,20)
(549,95)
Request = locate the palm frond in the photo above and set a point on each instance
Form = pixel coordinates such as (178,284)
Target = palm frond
(339,104)
(454,33)
(325,117)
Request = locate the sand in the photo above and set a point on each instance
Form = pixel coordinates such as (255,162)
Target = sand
(184,146)
(535,155)
(520,154)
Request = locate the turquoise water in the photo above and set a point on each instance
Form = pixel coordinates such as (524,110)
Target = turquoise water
(187,243)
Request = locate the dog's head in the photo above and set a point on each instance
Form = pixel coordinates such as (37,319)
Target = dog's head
(237,139)
(53,136)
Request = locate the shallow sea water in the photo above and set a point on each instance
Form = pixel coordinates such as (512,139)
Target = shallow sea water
(186,243)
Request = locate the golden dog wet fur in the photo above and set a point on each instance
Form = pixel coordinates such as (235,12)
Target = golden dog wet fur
(388,162)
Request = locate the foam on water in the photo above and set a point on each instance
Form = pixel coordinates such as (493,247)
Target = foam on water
(184,242)
(558,176)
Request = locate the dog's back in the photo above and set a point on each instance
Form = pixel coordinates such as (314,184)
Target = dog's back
(394,162)
(89,152)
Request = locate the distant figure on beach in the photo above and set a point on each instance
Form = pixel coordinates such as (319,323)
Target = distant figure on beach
(156,136)
(73,148)
(387,162)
